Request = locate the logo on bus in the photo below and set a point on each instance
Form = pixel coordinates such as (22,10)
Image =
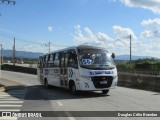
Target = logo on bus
(70,73)
(100,72)
(46,71)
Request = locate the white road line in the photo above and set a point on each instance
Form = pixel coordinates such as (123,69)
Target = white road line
(12,95)
(70,118)
(67,113)
(8,118)
(10,105)
(4,97)
(11,101)
(59,103)
(10,110)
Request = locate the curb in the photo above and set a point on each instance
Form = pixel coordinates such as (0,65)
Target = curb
(2,89)
(7,84)
(7,88)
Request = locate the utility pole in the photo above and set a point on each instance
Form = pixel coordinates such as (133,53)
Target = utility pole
(14,50)
(1,54)
(1,61)
(130,37)
(49,45)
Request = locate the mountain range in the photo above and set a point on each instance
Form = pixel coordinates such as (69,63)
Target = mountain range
(21,54)
(133,57)
(25,54)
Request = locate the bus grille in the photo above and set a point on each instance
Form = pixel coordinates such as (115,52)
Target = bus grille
(99,81)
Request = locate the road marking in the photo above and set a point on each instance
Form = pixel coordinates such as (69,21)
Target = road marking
(8,118)
(68,114)
(7,96)
(10,110)
(71,118)
(59,103)
(12,95)
(10,105)
(11,101)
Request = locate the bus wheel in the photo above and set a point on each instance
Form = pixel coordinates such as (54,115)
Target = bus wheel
(46,83)
(73,89)
(105,91)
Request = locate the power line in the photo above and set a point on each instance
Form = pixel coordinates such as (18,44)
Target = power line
(30,42)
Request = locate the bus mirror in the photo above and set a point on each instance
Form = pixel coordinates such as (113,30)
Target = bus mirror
(113,55)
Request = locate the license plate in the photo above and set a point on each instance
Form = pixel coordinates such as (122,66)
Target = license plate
(103,82)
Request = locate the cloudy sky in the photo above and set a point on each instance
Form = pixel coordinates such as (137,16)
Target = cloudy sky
(63,23)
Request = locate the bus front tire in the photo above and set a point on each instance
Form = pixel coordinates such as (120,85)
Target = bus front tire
(105,91)
(73,89)
(46,84)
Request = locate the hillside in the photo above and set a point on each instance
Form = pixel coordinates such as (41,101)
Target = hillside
(21,54)
(127,57)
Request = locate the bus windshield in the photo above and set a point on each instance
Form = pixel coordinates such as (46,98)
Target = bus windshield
(95,59)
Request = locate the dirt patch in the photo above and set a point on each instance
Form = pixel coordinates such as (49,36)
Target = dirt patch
(1,85)
(2,89)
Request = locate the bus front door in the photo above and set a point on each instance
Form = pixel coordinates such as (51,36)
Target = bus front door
(63,69)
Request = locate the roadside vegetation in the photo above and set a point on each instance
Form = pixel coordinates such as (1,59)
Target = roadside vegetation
(145,64)
(21,60)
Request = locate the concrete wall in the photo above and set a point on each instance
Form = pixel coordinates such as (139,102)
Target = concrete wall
(146,82)
(19,69)
(125,79)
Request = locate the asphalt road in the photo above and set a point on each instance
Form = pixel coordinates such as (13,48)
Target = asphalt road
(34,97)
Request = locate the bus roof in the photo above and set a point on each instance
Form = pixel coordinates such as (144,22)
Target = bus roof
(76,47)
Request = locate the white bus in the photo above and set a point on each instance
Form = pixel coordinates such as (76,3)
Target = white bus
(80,68)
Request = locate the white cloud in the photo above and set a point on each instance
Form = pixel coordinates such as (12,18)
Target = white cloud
(147,34)
(50,29)
(122,32)
(103,37)
(152,29)
(152,23)
(85,35)
(119,45)
(153,5)
(78,36)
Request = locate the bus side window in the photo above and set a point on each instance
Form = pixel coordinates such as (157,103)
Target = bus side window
(72,60)
(56,60)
